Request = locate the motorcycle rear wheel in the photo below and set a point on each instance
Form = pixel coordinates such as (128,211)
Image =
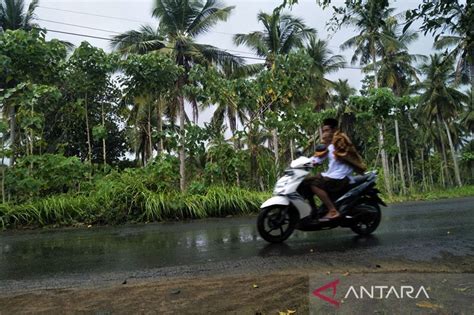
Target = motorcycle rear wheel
(276,223)
(370,217)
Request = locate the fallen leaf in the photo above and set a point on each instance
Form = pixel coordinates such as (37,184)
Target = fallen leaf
(291,312)
(462,289)
(328,272)
(426,304)
(255,286)
(346,274)
(89,226)
(176,291)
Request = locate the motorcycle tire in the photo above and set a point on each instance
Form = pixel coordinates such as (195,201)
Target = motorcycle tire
(274,218)
(369,219)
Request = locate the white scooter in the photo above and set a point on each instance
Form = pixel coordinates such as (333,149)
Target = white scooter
(288,209)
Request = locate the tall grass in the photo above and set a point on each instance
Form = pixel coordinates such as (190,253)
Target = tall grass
(116,202)
(122,202)
(435,194)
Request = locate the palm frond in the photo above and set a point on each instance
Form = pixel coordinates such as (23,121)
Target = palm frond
(211,12)
(141,42)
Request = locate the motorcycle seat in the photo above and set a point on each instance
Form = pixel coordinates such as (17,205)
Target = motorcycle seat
(359,179)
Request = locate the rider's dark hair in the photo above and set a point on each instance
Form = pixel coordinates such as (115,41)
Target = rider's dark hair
(331,122)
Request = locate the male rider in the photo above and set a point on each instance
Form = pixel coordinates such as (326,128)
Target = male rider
(343,160)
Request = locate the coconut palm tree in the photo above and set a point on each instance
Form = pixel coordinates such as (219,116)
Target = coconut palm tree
(341,93)
(14,17)
(324,63)
(282,34)
(369,19)
(396,69)
(461,40)
(180,23)
(441,102)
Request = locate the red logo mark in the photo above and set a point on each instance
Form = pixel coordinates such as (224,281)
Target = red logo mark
(332,285)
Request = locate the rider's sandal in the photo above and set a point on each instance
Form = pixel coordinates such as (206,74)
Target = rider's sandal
(329,218)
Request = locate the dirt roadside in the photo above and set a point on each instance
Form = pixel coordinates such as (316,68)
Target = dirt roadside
(245,294)
(269,293)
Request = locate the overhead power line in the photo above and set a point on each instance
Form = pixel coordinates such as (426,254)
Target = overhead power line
(91,14)
(116,40)
(125,19)
(80,26)
(253,57)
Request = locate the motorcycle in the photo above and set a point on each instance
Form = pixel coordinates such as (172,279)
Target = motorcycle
(290,209)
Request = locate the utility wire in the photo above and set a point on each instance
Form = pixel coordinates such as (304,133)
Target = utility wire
(117,40)
(91,14)
(125,19)
(80,26)
(131,20)
(104,30)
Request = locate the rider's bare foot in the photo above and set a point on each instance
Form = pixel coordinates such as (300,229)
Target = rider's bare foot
(332,214)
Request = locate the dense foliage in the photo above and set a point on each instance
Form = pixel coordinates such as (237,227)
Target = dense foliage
(101,137)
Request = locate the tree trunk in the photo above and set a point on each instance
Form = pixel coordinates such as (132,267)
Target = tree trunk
(104,149)
(400,162)
(12,134)
(443,152)
(292,153)
(275,147)
(381,136)
(3,171)
(431,174)
(89,144)
(443,181)
(407,158)
(453,155)
(471,72)
(423,169)
(233,128)
(150,141)
(385,165)
(195,111)
(159,123)
(182,157)
(374,60)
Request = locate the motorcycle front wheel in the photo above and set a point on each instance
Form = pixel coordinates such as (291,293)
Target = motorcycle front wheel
(276,223)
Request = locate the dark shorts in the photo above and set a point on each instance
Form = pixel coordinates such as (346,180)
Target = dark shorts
(332,186)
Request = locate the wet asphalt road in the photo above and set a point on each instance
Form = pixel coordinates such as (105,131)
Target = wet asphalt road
(423,232)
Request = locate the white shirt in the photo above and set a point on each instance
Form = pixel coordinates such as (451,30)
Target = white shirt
(337,169)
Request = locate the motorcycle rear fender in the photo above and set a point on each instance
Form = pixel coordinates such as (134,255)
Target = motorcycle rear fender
(276,201)
(374,194)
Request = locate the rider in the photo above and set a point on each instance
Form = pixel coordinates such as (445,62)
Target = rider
(343,160)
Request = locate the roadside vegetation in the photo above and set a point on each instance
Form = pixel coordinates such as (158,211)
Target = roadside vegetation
(96,137)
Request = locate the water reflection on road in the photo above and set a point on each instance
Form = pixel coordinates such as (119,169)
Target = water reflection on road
(416,230)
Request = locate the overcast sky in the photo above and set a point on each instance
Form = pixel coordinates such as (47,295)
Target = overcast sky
(131,14)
